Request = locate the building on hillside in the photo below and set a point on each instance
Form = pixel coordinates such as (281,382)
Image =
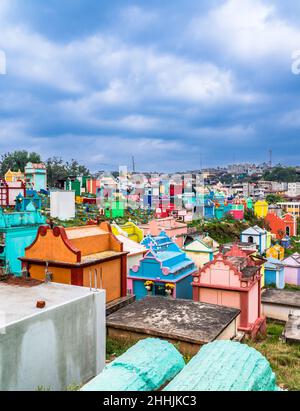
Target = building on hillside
(36,176)
(293,189)
(291,207)
(292,269)
(174,229)
(164,270)
(274,273)
(277,252)
(275,209)
(10,191)
(89,256)
(282,226)
(17,231)
(233,282)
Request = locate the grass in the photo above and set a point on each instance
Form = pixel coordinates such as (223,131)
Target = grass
(115,348)
(283,357)
(288,287)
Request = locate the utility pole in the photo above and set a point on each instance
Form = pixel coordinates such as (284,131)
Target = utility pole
(271,160)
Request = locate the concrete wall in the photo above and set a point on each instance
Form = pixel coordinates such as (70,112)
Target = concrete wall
(56,348)
(278,312)
(231,330)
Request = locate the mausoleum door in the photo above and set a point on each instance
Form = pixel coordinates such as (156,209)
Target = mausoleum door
(160,289)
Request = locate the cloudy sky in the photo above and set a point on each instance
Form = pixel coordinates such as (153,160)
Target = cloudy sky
(169,82)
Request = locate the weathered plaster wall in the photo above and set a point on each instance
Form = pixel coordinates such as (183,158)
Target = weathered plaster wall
(278,312)
(59,347)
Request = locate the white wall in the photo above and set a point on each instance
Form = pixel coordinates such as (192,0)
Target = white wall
(62,204)
(59,347)
(278,312)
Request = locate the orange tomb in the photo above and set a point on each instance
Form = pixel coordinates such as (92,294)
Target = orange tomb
(89,256)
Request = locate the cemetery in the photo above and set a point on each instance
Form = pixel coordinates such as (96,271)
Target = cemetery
(198,289)
(149,201)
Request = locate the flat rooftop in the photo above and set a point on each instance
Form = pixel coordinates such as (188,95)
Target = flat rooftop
(183,320)
(281,297)
(18,302)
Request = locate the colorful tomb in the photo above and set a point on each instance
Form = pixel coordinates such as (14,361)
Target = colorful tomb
(135,251)
(292,269)
(237,250)
(13,176)
(277,252)
(274,273)
(84,256)
(258,236)
(23,202)
(237,211)
(261,208)
(17,231)
(36,176)
(112,207)
(164,270)
(9,191)
(174,229)
(282,226)
(233,282)
(199,250)
(147,366)
(225,366)
(130,230)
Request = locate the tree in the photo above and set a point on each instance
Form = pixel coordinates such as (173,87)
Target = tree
(17,161)
(282,174)
(58,170)
(273,198)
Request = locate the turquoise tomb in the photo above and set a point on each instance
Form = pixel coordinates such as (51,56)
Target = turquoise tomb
(146,366)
